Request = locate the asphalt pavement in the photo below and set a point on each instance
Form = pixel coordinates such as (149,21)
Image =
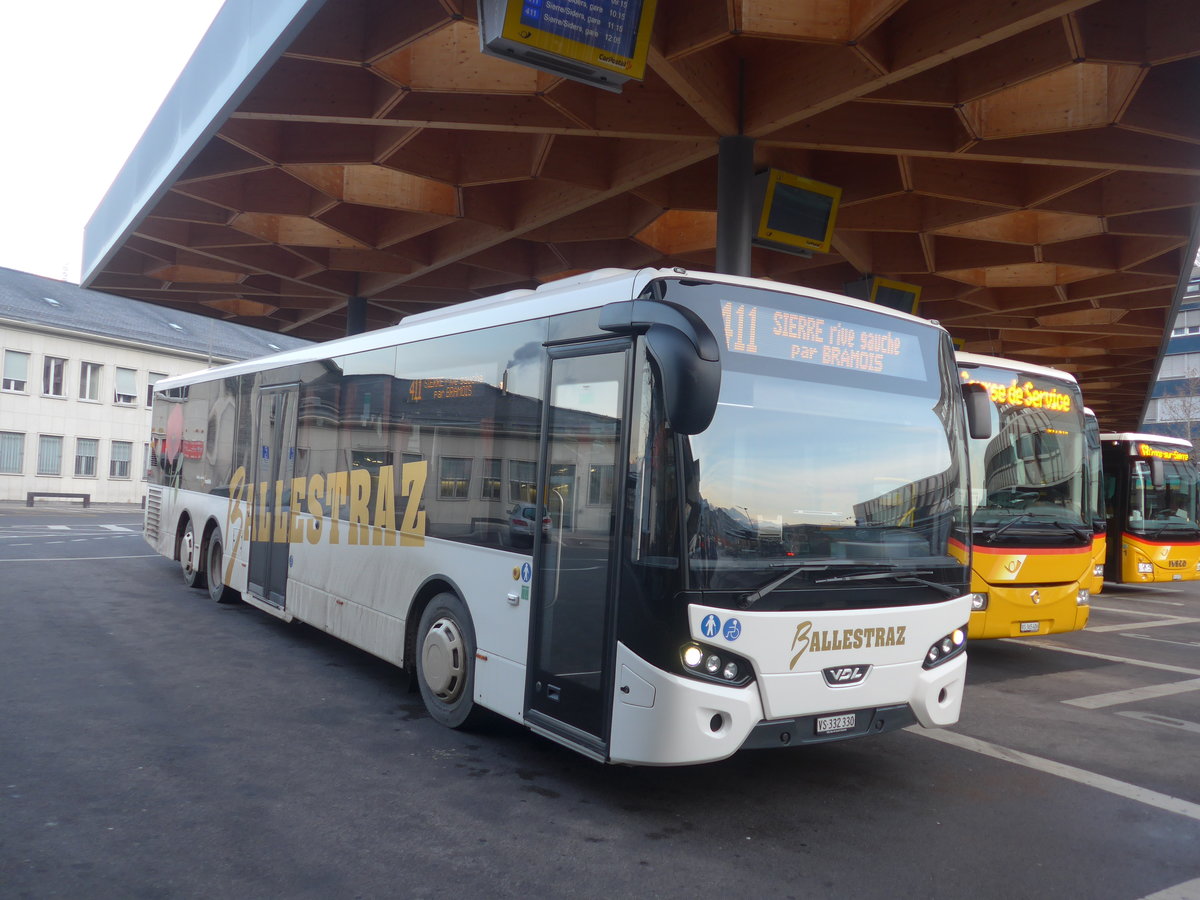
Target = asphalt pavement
(156,744)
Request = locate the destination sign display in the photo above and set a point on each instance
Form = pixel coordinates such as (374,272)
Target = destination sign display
(821,341)
(1151,452)
(1021,393)
(611,34)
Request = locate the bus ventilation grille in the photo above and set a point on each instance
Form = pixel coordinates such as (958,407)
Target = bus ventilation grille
(153,512)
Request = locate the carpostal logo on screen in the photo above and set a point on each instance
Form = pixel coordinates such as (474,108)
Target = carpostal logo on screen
(359,506)
(815,640)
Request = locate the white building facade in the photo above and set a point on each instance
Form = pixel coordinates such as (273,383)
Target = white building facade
(79,369)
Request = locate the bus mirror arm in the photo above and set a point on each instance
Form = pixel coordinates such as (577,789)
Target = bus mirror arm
(979,409)
(684,351)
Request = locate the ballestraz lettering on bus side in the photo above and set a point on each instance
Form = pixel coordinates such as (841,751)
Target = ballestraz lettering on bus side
(807,640)
(369,501)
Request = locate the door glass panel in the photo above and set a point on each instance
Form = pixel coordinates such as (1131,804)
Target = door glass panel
(575,598)
(275,462)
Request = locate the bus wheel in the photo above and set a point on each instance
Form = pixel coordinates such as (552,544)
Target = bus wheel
(192,576)
(446,661)
(217,588)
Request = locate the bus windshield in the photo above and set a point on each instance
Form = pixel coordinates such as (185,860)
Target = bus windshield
(835,460)
(1032,468)
(1169,509)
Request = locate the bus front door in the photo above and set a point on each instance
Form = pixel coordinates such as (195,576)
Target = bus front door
(569,691)
(274,462)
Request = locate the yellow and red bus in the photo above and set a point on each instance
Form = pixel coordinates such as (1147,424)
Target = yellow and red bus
(1150,487)
(1032,566)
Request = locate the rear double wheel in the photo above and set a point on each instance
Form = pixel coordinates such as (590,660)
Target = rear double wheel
(446,662)
(215,565)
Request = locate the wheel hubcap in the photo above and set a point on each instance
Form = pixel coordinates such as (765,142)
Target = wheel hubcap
(443,660)
(185,552)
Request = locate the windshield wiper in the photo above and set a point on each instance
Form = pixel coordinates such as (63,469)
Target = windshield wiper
(913,576)
(1078,530)
(1000,529)
(753,597)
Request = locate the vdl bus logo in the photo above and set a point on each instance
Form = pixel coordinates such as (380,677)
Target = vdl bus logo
(840,676)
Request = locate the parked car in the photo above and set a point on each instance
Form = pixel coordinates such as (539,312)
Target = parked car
(521,524)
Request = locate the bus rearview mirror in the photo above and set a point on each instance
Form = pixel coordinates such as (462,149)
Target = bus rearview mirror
(690,384)
(1158,475)
(685,351)
(979,411)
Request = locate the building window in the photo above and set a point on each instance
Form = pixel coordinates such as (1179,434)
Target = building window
(89,381)
(491,479)
(12,453)
(600,483)
(16,371)
(521,475)
(151,381)
(455,478)
(85,457)
(1187,322)
(118,465)
(54,377)
(125,391)
(49,454)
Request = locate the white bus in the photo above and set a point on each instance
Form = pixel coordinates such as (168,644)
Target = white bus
(656,516)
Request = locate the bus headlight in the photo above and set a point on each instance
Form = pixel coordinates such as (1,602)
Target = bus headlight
(1098,571)
(1145,568)
(979,601)
(946,648)
(711,664)
(1083,597)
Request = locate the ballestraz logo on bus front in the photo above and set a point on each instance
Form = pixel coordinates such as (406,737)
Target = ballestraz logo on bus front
(810,640)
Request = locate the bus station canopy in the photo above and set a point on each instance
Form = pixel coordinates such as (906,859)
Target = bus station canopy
(1032,165)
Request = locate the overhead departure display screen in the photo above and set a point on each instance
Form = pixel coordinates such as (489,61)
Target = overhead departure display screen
(822,340)
(609,33)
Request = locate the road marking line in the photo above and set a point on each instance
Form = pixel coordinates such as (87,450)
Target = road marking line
(59,527)
(1148,600)
(1157,623)
(1133,695)
(1143,637)
(1161,720)
(116,528)
(1071,773)
(79,558)
(1189,890)
(1119,611)
(1046,645)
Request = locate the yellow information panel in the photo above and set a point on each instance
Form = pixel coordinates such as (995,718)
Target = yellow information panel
(609,34)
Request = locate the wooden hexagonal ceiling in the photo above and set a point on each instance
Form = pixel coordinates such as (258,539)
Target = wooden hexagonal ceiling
(1034,165)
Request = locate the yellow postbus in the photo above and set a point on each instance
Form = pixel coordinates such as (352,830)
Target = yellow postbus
(1032,562)
(1150,493)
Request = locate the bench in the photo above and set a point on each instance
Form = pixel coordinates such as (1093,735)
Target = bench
(32,495)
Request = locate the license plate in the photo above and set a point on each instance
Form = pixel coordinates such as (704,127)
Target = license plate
(834,724)
(1030,627)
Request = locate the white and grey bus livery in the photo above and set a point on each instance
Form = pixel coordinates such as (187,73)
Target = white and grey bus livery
(657,516)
